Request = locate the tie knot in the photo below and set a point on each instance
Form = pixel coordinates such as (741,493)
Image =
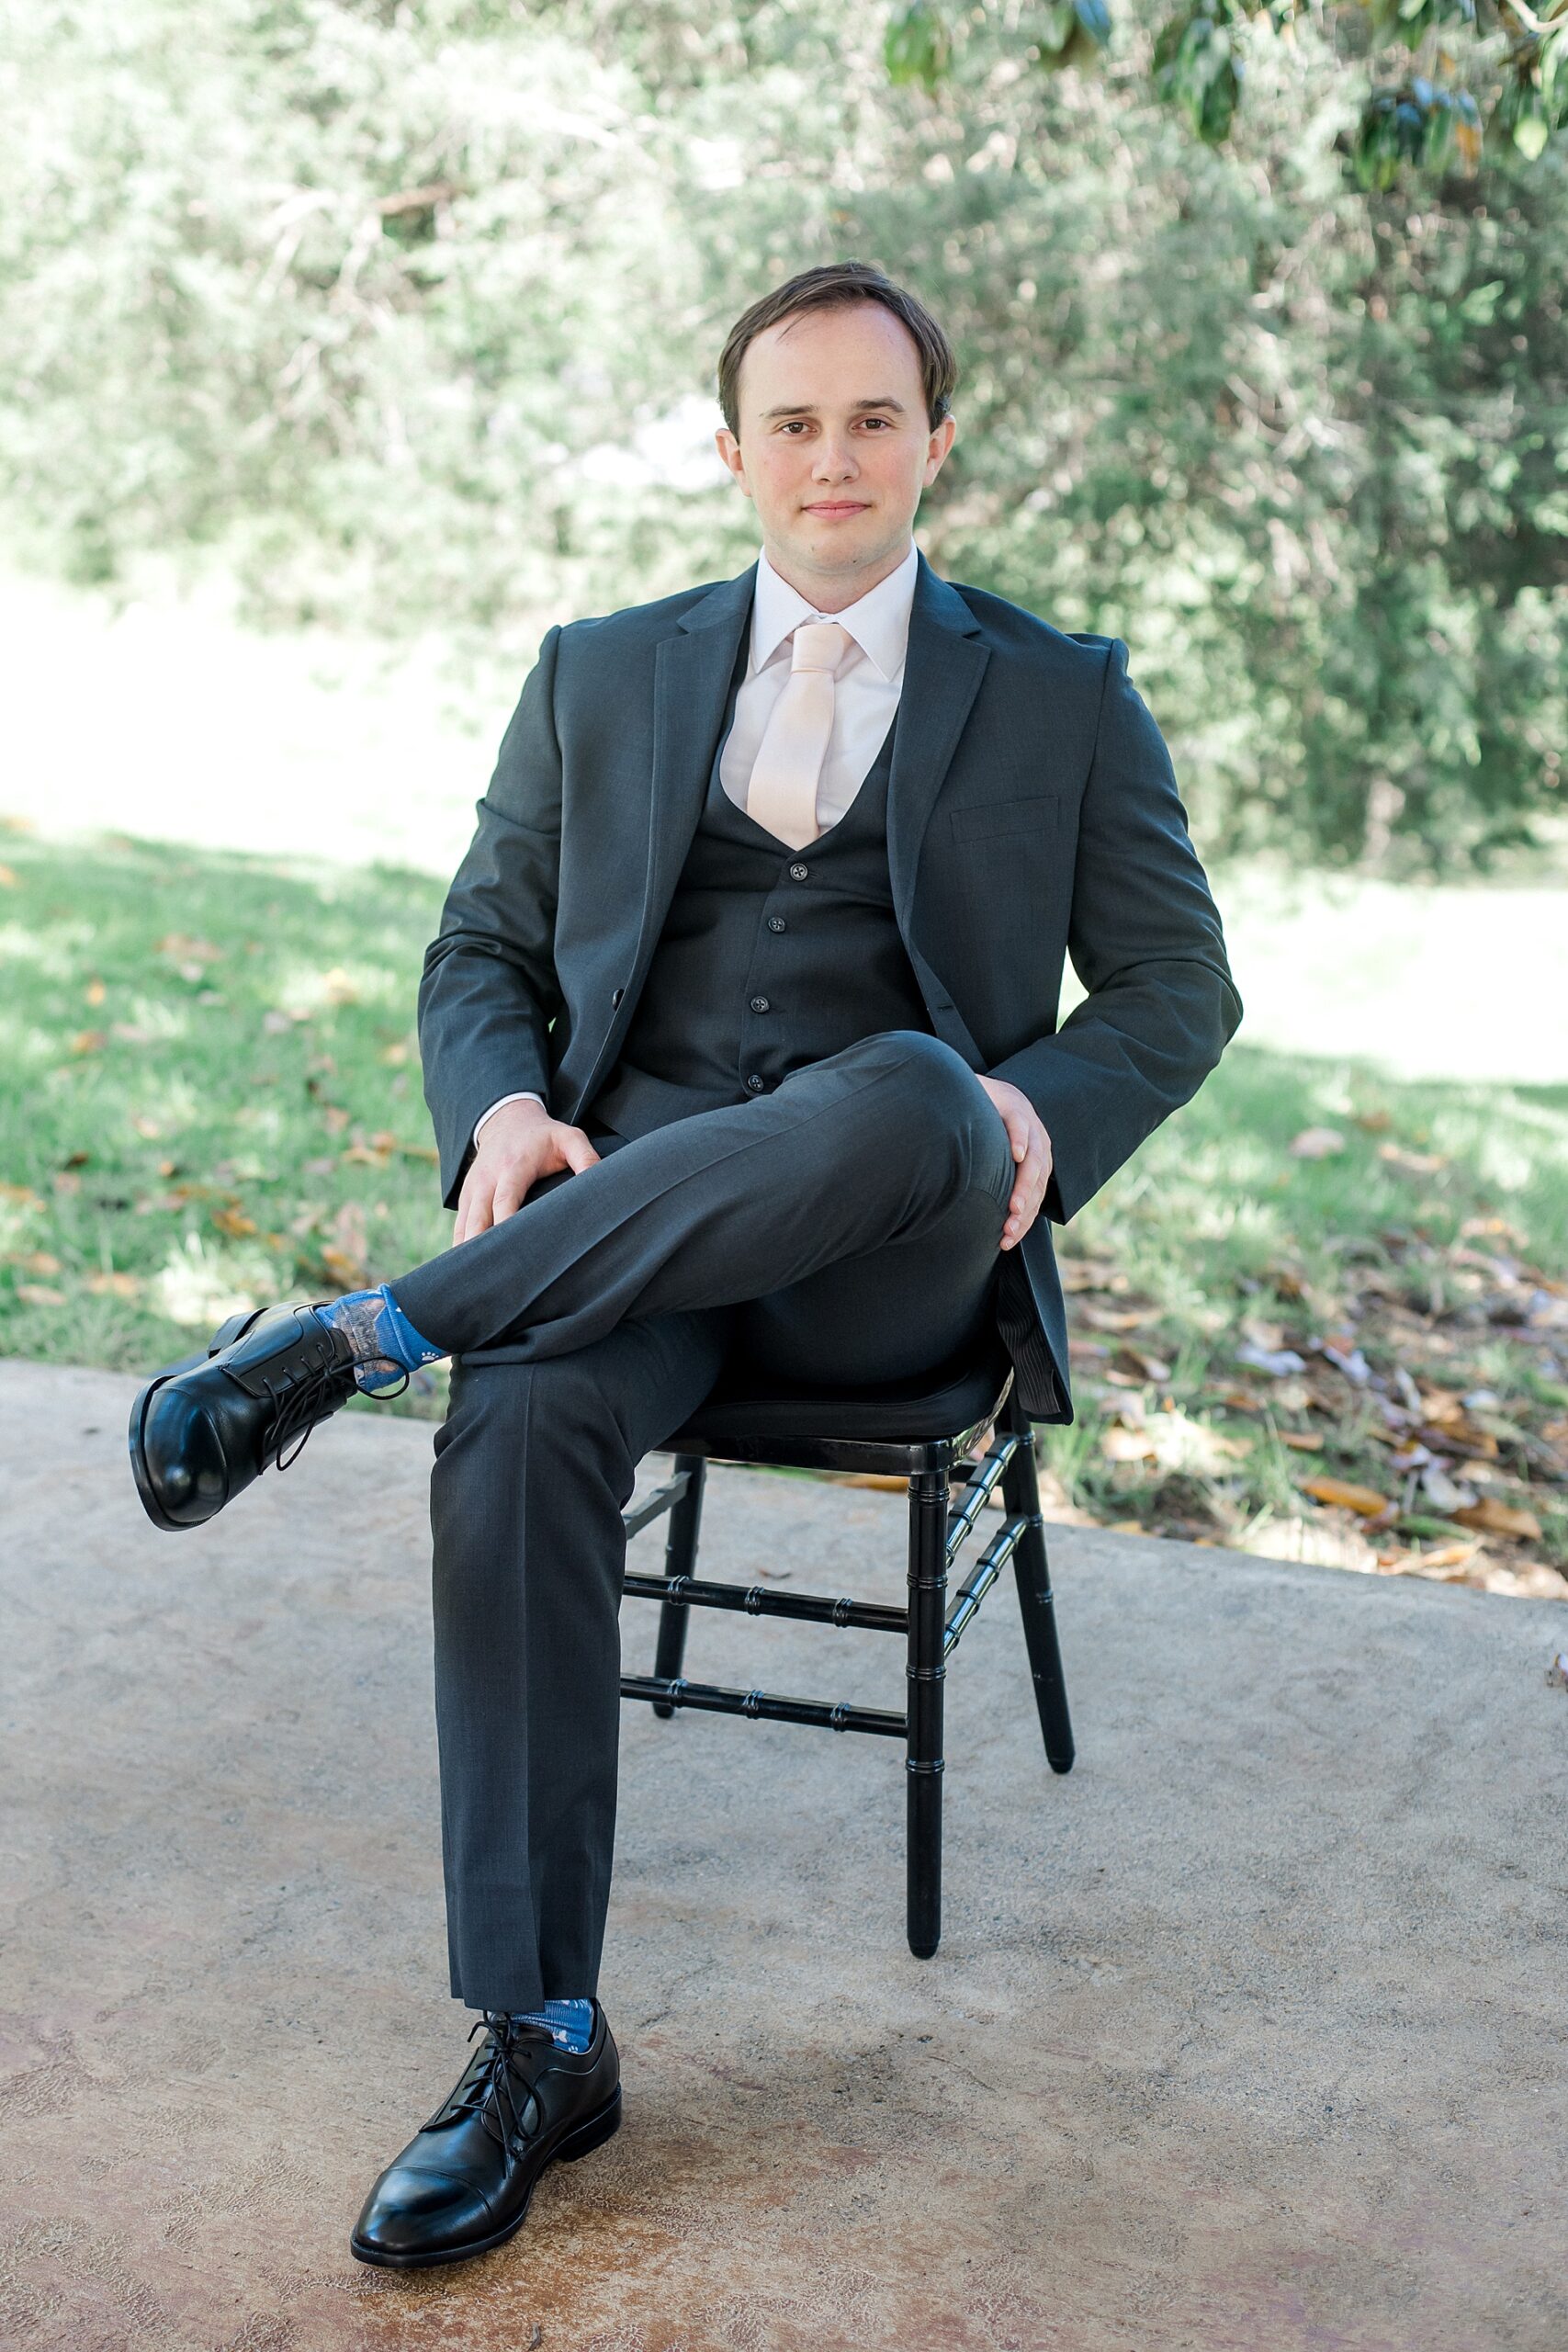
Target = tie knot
(818,645)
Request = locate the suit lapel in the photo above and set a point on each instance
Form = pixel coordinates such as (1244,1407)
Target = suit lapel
(692,670)
(943,670)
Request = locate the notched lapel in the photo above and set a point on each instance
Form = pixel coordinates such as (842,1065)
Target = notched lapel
(943,670)
(691,682)
(691,670)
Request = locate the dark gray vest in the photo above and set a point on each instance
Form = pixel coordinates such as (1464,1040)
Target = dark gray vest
(769,957)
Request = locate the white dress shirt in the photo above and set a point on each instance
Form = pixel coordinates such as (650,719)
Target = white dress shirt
(866,687)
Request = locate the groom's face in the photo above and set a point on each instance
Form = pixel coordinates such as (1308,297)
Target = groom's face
(834,447)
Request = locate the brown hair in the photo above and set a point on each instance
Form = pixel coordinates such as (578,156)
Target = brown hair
(830,287)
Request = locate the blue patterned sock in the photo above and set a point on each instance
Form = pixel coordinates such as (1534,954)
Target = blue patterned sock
(571,2022)
(386,1346)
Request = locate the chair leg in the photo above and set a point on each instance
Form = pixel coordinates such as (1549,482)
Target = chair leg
(680,1560)
(926,1674)
(1020,1492)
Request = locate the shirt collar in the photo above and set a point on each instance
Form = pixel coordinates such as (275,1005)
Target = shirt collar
(878,621)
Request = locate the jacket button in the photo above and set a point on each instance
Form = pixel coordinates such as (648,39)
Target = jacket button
(618,995)
(759,1004)
(754,1084)
(775,923)
(798,872)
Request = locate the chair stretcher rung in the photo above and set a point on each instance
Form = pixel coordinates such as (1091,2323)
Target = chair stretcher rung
(756,1601)
(962,1516)
(761,1705)
(661,1498)
(987,1568)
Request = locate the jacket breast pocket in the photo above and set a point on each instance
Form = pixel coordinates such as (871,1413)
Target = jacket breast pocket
(1037,812)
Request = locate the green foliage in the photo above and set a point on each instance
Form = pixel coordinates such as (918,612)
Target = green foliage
(375,303)
(1430,123)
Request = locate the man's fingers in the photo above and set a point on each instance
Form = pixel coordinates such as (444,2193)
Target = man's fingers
(1030,1190)
(511,1192)
(575,1149)
(477,1217)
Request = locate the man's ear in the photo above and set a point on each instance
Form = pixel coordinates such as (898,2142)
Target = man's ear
(940,442)
(728,448)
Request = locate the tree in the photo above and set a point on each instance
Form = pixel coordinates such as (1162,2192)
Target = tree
(409,314)
(1470,66)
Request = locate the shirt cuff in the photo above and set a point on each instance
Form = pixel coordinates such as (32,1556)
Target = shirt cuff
(505,1099)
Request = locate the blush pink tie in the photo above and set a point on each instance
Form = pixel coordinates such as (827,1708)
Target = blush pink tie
(782,795)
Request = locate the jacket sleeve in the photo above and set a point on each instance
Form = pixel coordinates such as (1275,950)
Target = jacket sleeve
(1145,940)
(489,990)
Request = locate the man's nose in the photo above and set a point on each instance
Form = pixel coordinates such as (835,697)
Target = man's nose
(835,458)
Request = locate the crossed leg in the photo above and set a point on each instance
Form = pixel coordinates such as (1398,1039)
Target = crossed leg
(538,1457)
(866,1147)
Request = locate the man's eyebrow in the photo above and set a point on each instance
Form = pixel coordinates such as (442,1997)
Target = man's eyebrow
(808,408)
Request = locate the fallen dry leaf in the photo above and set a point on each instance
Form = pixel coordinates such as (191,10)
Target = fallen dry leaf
(36,1295)
(8,878)
(89,1041)
(1411,1163)
(1490,1517)
(188,951)
(1446,1555)
(1091,1273)
(21,1196)
(1317,1143)
(1341,1493)
(1301,1441)
(234,1223)
(38,1262)
(1113,1319)
(113,1285)
(95,992)
(1126,1445)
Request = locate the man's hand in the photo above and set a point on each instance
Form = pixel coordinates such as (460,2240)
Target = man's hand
(1030,1148)
(521,1143)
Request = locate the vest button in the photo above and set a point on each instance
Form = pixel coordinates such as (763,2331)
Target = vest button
(618,995)
(754,1084)
(759,1004)
(775,923)
(798,872)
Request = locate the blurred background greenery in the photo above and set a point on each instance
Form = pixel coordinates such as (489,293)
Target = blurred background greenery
(344,344)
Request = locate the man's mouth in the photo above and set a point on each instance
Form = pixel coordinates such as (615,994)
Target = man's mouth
(839,506)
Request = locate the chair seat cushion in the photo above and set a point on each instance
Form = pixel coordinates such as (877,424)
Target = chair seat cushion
(936,1404)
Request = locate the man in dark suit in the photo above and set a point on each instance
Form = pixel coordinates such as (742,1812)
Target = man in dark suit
(740,1039)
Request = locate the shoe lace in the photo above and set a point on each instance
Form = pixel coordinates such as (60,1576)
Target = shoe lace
(295,1412)
(491,2093)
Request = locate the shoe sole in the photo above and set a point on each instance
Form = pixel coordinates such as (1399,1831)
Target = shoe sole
(581,2142)
(227,1332)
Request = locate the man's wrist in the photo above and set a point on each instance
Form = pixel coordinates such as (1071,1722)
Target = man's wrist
(501,1105)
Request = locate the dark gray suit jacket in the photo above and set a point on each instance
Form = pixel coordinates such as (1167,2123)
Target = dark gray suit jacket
(1032,812)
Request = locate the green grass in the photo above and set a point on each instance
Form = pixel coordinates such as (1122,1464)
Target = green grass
(210,1094)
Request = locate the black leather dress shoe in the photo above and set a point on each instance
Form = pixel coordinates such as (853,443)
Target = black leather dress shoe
(463,2183)
(204,1429)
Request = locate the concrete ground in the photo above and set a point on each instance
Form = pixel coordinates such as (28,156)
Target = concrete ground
(1248,2037)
